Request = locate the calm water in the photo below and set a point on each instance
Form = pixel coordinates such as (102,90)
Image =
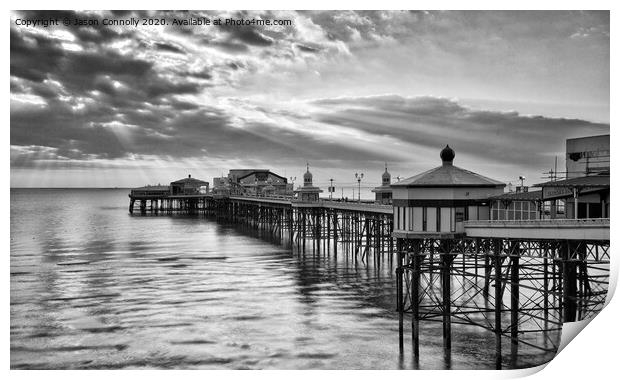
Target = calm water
(93,287)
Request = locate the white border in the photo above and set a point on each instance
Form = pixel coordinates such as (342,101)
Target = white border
(593,354)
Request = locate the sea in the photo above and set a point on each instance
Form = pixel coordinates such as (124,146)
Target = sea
(93,287)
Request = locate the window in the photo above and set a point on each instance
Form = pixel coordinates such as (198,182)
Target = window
(410,212)
(459,215)
(424,216)
(431,219)
(417,218)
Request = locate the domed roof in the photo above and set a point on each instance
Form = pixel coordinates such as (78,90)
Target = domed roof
(447,155)
(386,174)
(307,174)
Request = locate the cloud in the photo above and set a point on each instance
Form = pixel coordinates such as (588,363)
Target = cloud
(507,137)
(103,95)
(169,47)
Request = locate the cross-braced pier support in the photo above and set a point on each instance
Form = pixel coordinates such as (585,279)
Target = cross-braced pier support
(537,286)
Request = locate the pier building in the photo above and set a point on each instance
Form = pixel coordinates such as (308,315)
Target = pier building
(150,191)
(308,193)
(189,186)
(584,192)
(257,182)
(587,156)
(383,193)
(584,197)
(439,200)
(221,186)
(518,205)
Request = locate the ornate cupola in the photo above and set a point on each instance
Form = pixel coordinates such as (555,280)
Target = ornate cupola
(386,178)
(307,176)
(447,155)
(307,193)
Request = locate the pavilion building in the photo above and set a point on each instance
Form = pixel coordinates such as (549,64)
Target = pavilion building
(438,201)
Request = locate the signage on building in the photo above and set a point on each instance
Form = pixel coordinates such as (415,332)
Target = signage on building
(564,192)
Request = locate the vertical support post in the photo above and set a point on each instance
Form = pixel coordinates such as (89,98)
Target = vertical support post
(399,300)
(514,300)
(498,302)
(487,274)
(335,218)
(415,300)
(445,287)
(569,284)
(546,288)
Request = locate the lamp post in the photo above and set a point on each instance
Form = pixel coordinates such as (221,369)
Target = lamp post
(359,186)
(331,188)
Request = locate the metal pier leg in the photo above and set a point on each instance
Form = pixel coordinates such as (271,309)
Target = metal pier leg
(445,286)
(514,305)
(487,276)
(498,304)
(415,303)
(569,282)
(400,302)
(546,290)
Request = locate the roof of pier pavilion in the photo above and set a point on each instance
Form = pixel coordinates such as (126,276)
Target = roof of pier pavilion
(448,175)
(190,181)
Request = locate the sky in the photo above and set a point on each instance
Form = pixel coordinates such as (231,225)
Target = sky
(345,91)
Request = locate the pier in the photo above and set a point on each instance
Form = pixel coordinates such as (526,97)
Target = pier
(456,261)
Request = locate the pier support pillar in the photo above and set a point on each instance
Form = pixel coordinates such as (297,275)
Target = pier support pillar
(497,248)
(446,261)
(400,300)
(415,300)
(514,301)
(569,284)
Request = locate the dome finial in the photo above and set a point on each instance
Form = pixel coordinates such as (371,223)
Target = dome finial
(447,155)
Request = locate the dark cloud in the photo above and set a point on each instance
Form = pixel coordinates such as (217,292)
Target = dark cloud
(33,57)
(250,36)
(200,74)
(37,58)
(429,121)
(307,49)
(231,47)
(169,47)
(100,34)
